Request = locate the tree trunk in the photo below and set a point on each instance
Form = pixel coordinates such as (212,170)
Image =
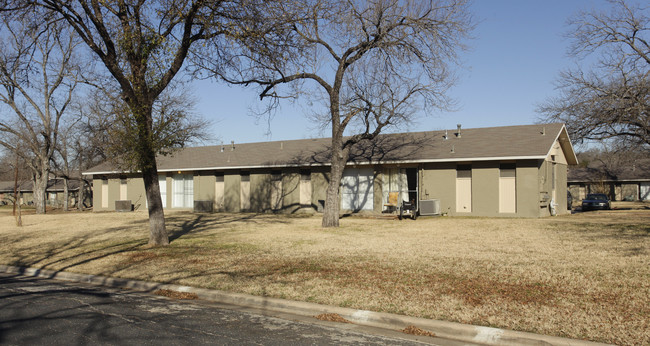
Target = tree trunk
(157,230)
(81,195)
(40,193)
(332,204)
(19,216)
(66,194)
(149,168)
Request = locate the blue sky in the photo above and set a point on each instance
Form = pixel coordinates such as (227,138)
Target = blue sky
(516,55)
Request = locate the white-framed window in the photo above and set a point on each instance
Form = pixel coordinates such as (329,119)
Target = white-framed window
(182,190)
(357,189)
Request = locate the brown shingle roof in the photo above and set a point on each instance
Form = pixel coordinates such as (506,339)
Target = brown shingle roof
(507,142)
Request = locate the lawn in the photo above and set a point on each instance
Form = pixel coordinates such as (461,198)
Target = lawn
(584,276)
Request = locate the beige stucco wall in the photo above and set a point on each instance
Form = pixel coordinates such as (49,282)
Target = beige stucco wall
(113,191)
(204,186)
(291,191)
(260,191)
(485,189)
(97,194)
(561,191)
(232,183)
(527,186)
(438,181)
(135,192)
(319,181)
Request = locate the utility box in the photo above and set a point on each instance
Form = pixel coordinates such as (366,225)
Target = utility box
(123,205)
(204,206)
(429,207)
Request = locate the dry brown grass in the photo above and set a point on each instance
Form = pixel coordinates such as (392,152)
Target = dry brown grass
(176,294)
(583,276)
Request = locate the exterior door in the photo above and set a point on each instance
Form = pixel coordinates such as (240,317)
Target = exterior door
(464,189)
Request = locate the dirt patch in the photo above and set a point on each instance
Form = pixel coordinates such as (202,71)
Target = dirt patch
(332,318)
(417,331)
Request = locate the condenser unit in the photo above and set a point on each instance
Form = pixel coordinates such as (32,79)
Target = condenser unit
(430,207)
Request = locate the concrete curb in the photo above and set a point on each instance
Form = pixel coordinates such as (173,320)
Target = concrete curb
(442,329)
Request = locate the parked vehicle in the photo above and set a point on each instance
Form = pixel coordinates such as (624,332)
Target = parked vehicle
(596,201)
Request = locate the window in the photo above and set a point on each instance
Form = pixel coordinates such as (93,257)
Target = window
(357,189)
(183,191)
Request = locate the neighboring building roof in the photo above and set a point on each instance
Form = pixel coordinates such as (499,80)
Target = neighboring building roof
(638,170)
(53,185)
(479,144)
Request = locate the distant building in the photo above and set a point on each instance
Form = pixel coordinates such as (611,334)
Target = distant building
(630,182)
(54,192)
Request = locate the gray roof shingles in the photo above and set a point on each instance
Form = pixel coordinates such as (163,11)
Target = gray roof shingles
(479,143)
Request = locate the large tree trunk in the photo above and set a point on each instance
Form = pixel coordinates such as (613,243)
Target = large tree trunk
(40,193)
(81,195)
(157,230)
(149,168)
(332,205)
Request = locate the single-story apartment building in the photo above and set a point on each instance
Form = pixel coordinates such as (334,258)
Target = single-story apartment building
(630,182)
(54,192)
(511,171)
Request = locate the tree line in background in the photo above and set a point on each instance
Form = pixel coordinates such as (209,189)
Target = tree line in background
(83,81)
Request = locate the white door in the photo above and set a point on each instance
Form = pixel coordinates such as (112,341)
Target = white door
(463,190)
(644,191)
(507,190)
(357,189)
(104,193)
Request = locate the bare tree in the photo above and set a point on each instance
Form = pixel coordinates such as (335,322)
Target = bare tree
(38,78)
(110,131)
(373,64)
(612,100)
(143,46)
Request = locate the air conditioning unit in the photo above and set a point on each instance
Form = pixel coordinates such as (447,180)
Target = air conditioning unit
(430,207)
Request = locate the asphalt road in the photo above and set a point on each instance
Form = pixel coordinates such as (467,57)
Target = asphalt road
(36,311)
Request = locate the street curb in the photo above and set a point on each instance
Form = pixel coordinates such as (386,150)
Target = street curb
(448,330)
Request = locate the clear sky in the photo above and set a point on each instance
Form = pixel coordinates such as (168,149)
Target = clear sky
(516,55)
